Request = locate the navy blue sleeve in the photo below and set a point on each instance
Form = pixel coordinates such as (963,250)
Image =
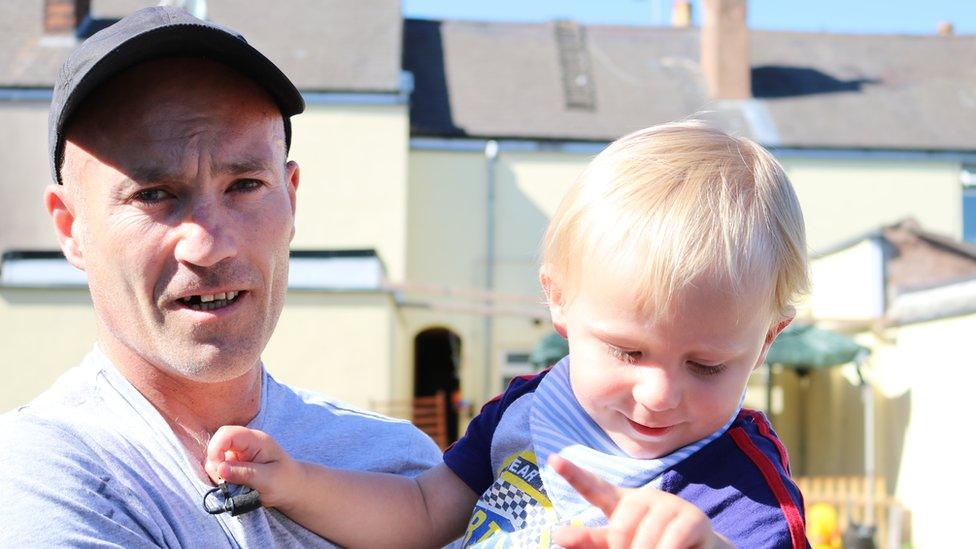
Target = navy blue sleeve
(742,482)
(470,457)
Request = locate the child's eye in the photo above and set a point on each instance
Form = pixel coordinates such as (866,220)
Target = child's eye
(706,370)
(628,357)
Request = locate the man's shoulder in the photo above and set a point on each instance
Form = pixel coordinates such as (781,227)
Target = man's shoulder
(324,430)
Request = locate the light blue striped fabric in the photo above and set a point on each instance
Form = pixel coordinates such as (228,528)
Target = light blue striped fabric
(560,426)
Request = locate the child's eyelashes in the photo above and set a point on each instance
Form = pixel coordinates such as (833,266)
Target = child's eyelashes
(629,357)
(706,370)
(633,357)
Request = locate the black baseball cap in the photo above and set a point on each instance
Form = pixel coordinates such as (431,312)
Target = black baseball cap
(152,33)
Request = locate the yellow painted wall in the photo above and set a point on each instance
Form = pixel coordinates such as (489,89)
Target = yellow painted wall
(447,240)
(339,344)
(334,343)
(843,198)
(42,334)
(353,180)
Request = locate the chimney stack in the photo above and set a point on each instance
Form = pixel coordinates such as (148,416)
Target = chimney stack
(64,16)
(946,28)
(681,14)
(725,50)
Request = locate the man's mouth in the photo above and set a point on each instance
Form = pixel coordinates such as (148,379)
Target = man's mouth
(210,302)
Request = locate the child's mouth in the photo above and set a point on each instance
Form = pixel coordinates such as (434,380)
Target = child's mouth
(649,431)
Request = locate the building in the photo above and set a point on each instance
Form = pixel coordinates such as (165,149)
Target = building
(434,152)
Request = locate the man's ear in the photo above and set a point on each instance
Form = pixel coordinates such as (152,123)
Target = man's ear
(554,299)
(772,334)
(58,204)
(292,177)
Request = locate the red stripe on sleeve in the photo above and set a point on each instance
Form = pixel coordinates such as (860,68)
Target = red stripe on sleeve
(793,517)
(766,432)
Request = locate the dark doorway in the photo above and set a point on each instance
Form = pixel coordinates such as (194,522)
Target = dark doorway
(436,354)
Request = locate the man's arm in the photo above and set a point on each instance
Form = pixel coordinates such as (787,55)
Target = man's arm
(57,495)
(351,508)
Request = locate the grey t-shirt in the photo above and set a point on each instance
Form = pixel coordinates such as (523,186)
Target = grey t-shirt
(91,463)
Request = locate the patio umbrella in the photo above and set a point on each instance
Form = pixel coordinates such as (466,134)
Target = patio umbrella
(548,351)
(806,348)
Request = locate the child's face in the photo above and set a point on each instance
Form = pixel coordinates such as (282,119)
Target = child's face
(657,384)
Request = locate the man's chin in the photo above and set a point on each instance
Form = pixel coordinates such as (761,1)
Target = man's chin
(211,364)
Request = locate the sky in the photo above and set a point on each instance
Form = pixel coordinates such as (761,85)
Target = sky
(848,16)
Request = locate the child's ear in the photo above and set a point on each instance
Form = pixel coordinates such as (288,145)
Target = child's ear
(554,299)
(772,334)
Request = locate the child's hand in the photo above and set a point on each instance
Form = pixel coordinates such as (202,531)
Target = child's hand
(642,517)
(252,458)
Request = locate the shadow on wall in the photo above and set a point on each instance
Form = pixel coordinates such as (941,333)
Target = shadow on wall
(776,81)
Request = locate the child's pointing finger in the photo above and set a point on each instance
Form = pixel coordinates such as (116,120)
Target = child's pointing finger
(593,488)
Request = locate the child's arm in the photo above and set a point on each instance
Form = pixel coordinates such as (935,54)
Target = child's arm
(641,517)
(351,508)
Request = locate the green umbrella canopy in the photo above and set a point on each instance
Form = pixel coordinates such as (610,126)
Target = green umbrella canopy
(548,351)
(808,347)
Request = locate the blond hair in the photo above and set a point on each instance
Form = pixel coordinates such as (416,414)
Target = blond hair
(668,204)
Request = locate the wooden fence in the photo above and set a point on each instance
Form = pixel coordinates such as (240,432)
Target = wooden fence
(849,496)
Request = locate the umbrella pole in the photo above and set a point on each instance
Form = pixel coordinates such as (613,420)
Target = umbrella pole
(867,399)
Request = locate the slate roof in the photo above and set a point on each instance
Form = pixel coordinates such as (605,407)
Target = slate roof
(322,45)
(811,90)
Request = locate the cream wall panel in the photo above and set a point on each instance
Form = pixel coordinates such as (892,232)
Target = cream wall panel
(939,359)
(335,343)
(353,188)
(23,155)
(844,198)
(849,284)
(43,333)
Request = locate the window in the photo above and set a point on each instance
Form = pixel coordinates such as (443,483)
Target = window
(514,364)
(968,179)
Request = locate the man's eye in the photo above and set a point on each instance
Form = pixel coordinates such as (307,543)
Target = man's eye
(246,185)
(151,196)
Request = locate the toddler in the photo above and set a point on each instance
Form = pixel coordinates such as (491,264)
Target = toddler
(670,266)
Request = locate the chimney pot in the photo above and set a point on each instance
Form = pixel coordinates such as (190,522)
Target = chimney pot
(725,50)
(681,14)
(64,16)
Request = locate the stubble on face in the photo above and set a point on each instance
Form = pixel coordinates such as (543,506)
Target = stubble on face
(175,121)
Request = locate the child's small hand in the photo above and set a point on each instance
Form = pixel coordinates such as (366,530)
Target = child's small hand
(252,458)
(642,517)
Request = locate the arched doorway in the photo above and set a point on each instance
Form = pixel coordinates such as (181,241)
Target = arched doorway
(436,356)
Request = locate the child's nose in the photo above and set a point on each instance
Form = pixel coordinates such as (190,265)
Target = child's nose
(657,390)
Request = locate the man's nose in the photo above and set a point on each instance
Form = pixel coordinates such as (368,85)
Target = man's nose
(206,237)
(657,389)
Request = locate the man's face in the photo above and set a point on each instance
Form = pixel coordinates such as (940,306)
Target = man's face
(183,213)
(657,383)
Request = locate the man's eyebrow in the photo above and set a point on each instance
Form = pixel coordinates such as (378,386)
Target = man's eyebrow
(243,165)
(150,174)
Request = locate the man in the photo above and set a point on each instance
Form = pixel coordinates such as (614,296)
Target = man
(168,140)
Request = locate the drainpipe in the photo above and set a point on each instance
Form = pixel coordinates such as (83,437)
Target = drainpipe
(491,159)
